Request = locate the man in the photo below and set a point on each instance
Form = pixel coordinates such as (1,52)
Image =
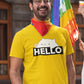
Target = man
(45,50)
(81,44)
(81,8)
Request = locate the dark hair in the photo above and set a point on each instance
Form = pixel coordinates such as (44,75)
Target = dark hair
(30,1)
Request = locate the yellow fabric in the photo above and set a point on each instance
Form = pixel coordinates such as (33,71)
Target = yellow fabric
(42,69)
(68,15)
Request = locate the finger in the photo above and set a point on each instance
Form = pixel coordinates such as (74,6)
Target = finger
(79,37)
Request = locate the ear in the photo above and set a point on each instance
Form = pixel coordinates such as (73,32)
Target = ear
(31,6)
(51,4)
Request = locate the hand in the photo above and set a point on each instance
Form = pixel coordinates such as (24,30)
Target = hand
(81,10)
(81,45)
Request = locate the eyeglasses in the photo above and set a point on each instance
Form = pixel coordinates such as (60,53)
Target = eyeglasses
(39,1)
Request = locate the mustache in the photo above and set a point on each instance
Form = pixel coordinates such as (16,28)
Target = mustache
(42,7)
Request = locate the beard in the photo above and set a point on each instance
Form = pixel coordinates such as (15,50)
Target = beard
(41,15)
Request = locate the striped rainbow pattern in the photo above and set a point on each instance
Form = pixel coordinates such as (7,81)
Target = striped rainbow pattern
(81,3)
(66,18)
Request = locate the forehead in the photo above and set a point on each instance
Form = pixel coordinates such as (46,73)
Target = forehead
(41,0)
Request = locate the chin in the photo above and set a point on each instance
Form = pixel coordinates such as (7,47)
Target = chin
(44,18)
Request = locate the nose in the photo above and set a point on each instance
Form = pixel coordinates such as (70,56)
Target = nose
(42,2)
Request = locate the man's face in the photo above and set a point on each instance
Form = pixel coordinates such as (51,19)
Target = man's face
(41,9)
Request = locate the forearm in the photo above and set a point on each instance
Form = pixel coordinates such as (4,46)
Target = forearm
(15,77)
(71,74)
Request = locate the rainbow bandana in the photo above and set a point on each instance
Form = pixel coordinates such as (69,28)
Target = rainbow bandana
(41,26)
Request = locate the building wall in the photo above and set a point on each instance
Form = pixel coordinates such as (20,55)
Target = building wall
(20,17)
(20,14)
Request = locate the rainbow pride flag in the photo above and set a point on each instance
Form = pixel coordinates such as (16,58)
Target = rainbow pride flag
(62,15)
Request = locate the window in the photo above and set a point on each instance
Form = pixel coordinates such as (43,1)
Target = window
(5,35)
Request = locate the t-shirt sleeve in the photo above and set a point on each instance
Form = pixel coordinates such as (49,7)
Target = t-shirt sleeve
(17,49)
(69,47)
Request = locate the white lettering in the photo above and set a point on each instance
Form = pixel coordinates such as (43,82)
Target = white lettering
(36,51)
(42,51)
(46,50)
(52,51)
(58,50)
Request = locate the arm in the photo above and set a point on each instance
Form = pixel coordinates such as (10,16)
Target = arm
(15,65)
(82,75)
(70,69)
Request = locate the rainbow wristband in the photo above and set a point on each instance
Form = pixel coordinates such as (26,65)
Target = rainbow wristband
(81,3)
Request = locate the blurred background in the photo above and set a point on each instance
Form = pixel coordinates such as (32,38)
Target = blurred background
(15,15)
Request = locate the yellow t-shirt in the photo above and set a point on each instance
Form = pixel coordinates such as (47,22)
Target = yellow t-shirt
(44,57)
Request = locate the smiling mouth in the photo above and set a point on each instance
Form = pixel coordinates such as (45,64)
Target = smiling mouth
(42,8)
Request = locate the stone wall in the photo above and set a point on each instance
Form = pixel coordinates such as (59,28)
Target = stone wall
(20,14)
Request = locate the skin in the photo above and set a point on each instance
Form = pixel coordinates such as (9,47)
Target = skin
(81,10)
(70,69)
(15,63)
(41,15)
(15,66)
(81,45)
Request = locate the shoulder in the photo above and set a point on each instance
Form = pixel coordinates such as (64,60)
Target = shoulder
(20,35)
(60,29)
(24,30)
